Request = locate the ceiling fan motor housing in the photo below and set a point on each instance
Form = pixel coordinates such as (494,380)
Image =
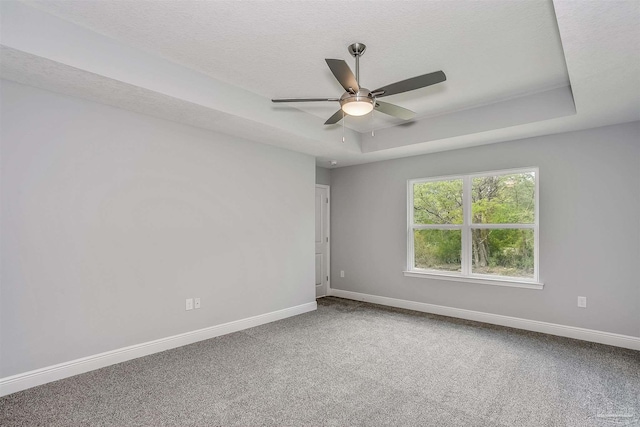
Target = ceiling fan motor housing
(358,103)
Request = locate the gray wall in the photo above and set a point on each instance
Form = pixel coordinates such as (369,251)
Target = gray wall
(110,219)
(589,236)
(323,176)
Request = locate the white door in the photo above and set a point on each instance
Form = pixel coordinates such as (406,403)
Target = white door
(322,240)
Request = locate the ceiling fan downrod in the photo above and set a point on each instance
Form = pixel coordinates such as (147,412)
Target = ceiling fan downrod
(357,50)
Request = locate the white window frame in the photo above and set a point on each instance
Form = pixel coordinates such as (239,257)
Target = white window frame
(466,275)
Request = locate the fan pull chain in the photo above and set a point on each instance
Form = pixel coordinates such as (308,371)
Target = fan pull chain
(344,119)
(373,132)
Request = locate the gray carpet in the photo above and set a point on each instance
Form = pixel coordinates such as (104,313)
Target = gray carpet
(352,364)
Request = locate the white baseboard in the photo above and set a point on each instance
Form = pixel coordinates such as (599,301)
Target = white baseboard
(45,375)
(608,338)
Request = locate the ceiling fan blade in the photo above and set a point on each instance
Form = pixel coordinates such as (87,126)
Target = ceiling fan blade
(394,110)
(410,84)
(304,99)
(343,74)
(338,115)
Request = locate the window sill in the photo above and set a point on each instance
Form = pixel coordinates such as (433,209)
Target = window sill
(511,282)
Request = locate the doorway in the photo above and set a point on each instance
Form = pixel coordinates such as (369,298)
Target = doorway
(322,240)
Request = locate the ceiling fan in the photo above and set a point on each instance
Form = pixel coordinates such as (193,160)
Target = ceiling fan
(357,100)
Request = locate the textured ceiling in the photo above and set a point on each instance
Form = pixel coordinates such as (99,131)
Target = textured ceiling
(215,64)
(490,50)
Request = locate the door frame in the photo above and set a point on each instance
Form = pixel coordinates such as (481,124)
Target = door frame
(328,263)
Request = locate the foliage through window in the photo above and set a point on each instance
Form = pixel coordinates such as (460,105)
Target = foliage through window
(480,225)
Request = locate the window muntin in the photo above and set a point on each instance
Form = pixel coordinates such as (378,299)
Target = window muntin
(481,225)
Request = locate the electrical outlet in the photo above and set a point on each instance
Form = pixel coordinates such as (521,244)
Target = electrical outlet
(582,302)
(189,304)
(341,273)
(197,303)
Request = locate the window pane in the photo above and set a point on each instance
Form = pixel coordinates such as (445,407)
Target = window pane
(503,252)
(437,202)
(503,199)
(437,249)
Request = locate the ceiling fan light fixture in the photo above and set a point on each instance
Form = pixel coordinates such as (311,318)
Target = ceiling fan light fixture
(357,107)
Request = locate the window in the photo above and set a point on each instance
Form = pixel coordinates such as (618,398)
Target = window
(481,227)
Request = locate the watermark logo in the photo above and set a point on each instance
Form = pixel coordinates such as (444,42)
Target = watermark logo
(608,412)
